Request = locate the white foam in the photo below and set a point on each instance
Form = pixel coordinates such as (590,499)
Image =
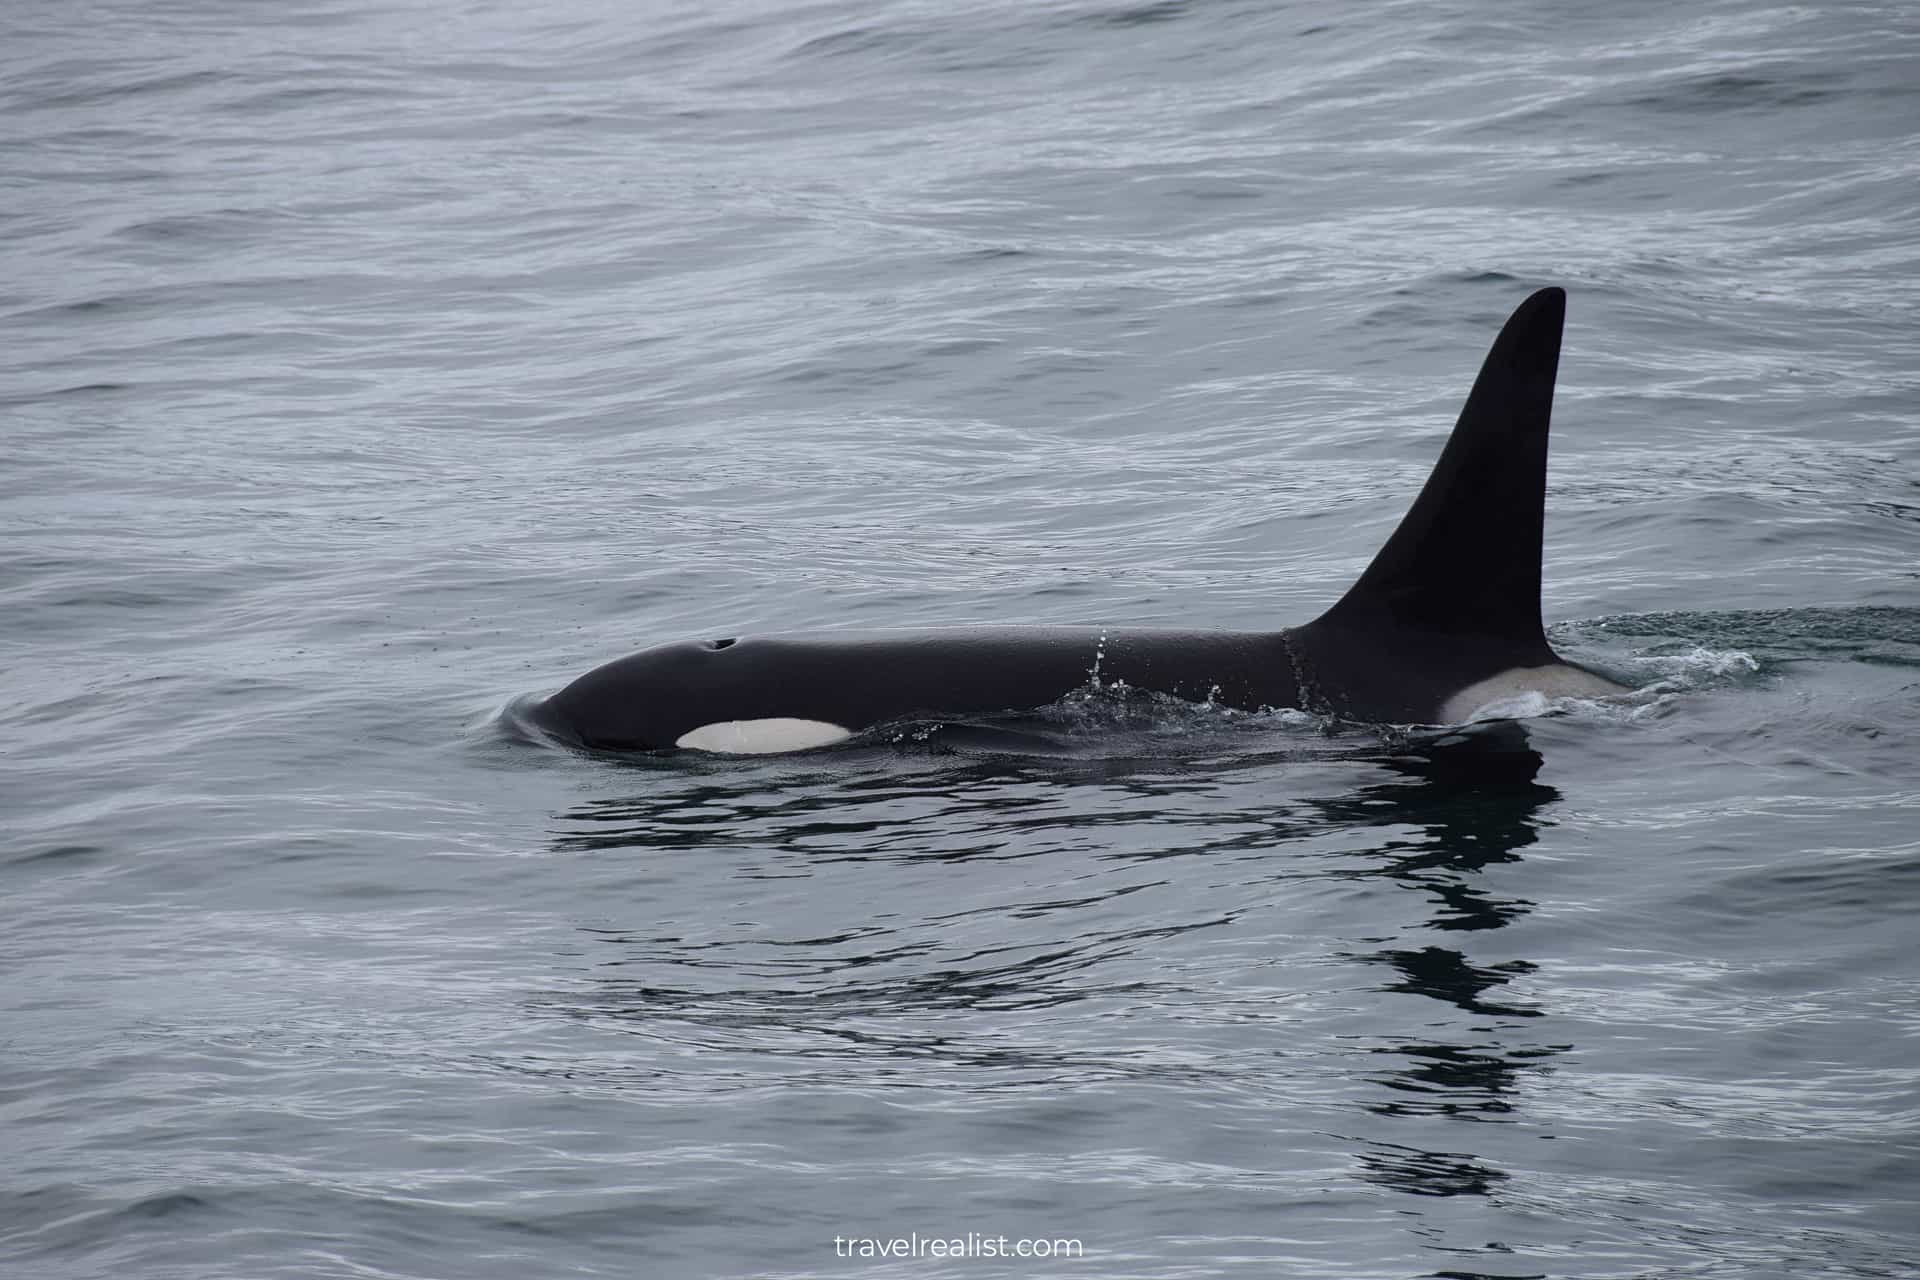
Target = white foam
(762,737)
(1706,662)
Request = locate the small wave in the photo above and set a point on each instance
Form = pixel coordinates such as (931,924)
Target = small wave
(516,725)
(1704,663)
(1873,633)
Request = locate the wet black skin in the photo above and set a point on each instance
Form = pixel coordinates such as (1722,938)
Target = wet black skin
(858,680)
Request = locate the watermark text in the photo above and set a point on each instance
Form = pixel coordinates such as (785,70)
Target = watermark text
(973,1244)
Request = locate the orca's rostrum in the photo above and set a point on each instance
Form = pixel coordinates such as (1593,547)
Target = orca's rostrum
(1444,621)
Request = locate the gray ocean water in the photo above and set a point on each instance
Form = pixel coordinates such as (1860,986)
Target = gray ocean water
(366,366)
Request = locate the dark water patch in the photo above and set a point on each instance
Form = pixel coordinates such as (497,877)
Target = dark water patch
(166,1205)
(1592,178)
(1751,91)
(992,253)
(1137,15)
(950,46)
(856,41)
(108,698)
(112,92)
(102,389)
(961,347)
(1457,277)
(1851,888)
(212,227)
(302,98)
(188,300)
(58,853)
(89,1227)
(850,371)
(68,597)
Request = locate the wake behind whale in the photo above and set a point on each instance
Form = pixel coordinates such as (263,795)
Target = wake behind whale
(1445,620)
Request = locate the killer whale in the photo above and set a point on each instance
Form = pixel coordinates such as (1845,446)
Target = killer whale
(1445,620)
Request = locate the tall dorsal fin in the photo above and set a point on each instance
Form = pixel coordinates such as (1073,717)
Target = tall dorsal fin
(1465,561)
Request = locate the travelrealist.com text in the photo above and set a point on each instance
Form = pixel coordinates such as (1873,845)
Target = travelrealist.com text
(971,1245)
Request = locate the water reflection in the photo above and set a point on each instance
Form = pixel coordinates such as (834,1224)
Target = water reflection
(798,922)
(1469,805)
(1428,1173)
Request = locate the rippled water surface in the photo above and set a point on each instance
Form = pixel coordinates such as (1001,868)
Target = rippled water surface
(366,367)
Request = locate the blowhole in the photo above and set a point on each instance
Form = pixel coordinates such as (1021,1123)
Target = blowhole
(720,644)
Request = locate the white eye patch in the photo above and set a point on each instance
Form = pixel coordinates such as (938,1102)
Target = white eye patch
(762,737)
